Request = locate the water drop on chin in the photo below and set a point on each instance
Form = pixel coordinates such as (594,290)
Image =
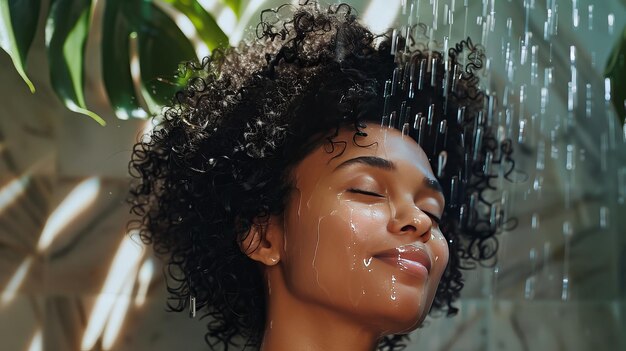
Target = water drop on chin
(393,295)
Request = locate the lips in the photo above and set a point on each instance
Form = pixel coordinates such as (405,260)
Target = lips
(410,258)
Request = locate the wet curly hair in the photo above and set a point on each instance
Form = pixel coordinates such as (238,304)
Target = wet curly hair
(221,155)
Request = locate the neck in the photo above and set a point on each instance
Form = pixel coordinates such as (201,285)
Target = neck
(293,324)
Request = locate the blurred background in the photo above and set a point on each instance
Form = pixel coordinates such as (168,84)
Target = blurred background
(73,278)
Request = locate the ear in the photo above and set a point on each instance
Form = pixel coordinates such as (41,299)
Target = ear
(264,241)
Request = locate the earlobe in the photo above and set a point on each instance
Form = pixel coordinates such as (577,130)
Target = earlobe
(263,241)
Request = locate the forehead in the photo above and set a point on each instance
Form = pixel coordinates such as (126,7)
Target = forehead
(383,142)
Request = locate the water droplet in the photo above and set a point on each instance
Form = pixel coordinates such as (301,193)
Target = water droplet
(478,140)
(433,75)
(442,159)
(421,130)
(494,216)
(535,221)
(575,15)
(392,120)
(529,288)
(522,131)
(488,163)
(405,129)
(472,209)
(565,288)
(541,150)
(454,190)
(588,100)
(422,72)
(568,230)
(538,183)
(604,217)
(431,115)
(393,288)
(460,116)
(570,160)
(534,75)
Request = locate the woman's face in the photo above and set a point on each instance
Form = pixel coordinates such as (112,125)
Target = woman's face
(360,231)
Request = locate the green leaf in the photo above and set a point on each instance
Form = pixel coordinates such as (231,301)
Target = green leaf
(117,25)
(205,24)
(162,47)
(67,29)
(235,5)
(18,23)
(616,71)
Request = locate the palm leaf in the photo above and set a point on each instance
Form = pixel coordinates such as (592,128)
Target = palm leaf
(118,82)
(235,5)
(162,47)
(67,29)
(134,29)
(205,25)
(18,23)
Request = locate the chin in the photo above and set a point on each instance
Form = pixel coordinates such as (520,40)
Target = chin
(406,316)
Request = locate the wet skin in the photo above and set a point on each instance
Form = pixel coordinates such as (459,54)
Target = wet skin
(357,253)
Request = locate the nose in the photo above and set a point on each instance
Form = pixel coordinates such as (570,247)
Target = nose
(408,219)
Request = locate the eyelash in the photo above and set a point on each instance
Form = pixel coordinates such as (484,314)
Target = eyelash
(433,217)
(365,192)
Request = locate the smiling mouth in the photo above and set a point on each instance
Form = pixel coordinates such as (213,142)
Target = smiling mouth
(411,259)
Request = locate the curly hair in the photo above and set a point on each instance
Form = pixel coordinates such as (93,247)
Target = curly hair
(221,156)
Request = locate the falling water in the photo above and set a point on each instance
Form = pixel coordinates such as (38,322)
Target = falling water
(546,92)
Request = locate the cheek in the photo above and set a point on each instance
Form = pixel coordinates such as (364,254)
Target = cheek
(357,229)
(439,250)
(332,240)
(341,231)
(368,224)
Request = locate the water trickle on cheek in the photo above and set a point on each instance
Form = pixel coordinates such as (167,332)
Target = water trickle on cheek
(317,244)
(351,251)
(299,202)
(352,246)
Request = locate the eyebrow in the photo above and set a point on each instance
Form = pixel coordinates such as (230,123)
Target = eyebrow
(433,184)
(386,165)
(372,161)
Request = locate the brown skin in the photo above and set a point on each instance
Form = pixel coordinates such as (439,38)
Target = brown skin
(328,285)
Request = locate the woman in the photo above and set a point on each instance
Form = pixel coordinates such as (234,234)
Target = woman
(313,190)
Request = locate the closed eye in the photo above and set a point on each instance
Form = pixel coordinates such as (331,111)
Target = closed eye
(434,218)
(364,192)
